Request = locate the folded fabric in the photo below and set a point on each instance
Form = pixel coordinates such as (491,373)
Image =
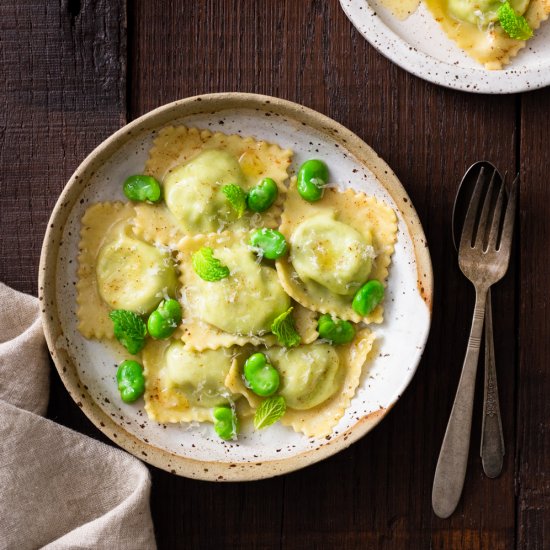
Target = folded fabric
(58,488)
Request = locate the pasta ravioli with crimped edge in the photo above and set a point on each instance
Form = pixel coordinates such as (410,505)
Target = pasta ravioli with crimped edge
(492,46)
(198,333)
(318,421)
(356,210)
(98,226)
(176,146)
(165,401)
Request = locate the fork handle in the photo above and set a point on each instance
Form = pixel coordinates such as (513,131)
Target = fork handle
(492,438)
(451,466)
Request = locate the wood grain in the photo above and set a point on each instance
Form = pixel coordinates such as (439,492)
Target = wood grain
(62,92)
(533,406)
(71,76)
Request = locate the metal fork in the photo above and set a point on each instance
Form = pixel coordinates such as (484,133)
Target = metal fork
(483,257)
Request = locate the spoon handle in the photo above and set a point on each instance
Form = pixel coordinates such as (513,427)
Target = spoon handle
(492,438)
(453,457)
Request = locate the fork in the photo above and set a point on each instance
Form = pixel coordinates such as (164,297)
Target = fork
(483,257)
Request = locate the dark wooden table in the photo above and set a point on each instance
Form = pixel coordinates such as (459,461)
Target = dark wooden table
(73,71)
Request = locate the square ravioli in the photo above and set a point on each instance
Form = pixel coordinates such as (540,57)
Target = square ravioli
(184,385)
(336,245)
(318,382)
(240,308)
(193,167)
(475,27)
(117,270)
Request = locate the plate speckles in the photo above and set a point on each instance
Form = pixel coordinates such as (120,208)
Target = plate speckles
(87,368)
(419,46)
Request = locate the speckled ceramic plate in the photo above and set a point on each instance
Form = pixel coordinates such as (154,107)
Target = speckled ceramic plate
(88,368)
(419,45)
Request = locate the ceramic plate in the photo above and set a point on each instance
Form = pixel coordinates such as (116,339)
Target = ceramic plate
(88,367)
(419,45)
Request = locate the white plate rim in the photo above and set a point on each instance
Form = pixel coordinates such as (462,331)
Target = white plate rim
(393,47)
(189,467)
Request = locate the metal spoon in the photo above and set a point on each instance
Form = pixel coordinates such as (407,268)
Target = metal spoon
(492,438)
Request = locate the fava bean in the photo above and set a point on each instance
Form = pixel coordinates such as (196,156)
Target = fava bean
(226,423)
(368,297)
(262,196)
(130,381)
(337,331)
(312,177)
(262,378)
(165,319)
(272,243)
(142,188)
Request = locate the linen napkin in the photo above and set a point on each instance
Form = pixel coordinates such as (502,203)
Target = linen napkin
(58,488)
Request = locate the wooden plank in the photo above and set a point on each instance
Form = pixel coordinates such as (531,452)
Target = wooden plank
(62,92)
(533,384)
(378,492)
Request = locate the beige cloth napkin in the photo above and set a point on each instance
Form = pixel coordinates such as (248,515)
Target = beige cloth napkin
(58,488)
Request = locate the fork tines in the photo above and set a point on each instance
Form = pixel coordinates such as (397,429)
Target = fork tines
(484,226)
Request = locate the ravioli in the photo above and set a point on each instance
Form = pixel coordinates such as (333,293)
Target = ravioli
(336,244)
(116,270)
(318,382)
(309,374)
(134,275)
(193,192)
(331,254)
(183,385)
(238,309)
(193,165)
(472,25)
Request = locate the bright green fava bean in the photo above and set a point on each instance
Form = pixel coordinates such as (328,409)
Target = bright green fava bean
(261,377)
(272,243)
(368,297)
(165,319)
(130,380)
(337,331)
(261,197)
(312,177)
(226,423)
(142,188)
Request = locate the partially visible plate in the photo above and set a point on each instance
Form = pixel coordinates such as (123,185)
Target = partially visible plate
(88,367)
(419,45)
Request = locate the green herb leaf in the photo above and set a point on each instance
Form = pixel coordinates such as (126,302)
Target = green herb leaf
(207,267)
(514,25)
(285,331)
(236,198)
(130,329)
(269,412)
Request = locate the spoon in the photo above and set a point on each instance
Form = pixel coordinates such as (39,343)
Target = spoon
(492,438)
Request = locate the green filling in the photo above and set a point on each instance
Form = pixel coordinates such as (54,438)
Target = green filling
(199,376)
(194,192)
(248,301)
(309,374)
(133,275)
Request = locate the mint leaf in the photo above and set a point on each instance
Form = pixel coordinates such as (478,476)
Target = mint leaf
(129,328)
(236,198)
(207,267)
(269,412)
(514,25)
(285,331)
